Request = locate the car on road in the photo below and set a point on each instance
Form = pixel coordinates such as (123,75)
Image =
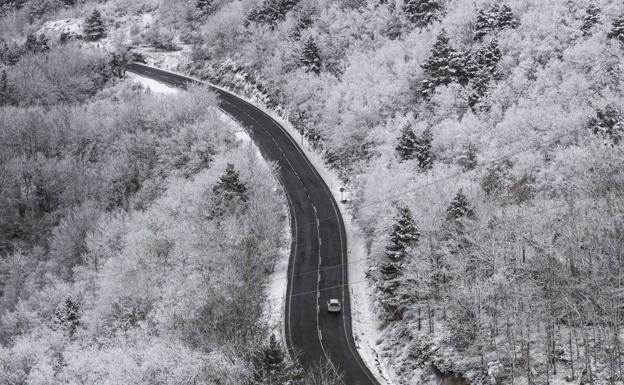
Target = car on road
(334,306)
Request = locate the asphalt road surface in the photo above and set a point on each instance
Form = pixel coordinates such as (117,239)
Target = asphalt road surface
(318,262)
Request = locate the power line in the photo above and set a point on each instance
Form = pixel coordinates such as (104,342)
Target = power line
(537,212)
(447,178)
(355,261)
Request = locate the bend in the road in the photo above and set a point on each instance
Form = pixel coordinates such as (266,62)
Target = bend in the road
(314,246)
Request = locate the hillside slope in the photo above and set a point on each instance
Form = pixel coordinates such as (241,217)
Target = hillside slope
(481,145)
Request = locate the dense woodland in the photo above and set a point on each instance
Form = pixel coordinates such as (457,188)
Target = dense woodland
(480,140)
(133,225)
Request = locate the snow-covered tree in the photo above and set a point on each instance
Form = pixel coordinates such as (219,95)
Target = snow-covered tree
(270,366)
(591,18)
(506,18)
(459,207)
(617,30)
(119,62)
(403,235)
(271,12)
(422,12)
(68,316)
(406,146)
(311,57)
(608,124)
(230,185)
(483,23)
(444,66)
(36,44)
(488,57)
(493,19)
(93,28)
(481,69)
(423,150)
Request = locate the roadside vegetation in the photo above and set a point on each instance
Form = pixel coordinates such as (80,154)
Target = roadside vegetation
(480,141)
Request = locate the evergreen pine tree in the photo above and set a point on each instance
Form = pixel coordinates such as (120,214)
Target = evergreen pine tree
(484,22)
(4,89)
(94,27)
(271,11)
(505,18)
(119,63)
(67,316)
(481,68)
(591,18)
(617,31)
(443,67)
(422,12)
(36,44)
(488,57)
(423,150)
(494,19)
(459,207)
(230,186)
(403,235)
(478,87)
(406,146)
(270,366)
(310,56)
(608,123)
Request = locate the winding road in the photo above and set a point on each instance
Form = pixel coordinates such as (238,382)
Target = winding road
(318,262)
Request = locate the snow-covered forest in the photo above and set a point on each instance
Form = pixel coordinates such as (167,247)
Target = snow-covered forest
(479,140)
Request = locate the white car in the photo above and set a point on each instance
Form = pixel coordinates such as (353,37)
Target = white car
(334,306)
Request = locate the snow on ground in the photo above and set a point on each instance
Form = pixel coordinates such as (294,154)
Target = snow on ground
(152,85)
(53,29)
(167,60)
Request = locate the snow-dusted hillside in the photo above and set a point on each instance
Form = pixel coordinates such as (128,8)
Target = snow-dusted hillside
(480,143)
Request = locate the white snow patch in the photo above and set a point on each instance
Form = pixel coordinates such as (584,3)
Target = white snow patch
(152,85)
(53,29)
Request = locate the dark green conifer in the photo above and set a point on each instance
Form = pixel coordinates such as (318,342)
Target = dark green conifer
(617,31)
(94,27)
(406,146)
(403,235)
(459,207)
(422,12)
(310,56)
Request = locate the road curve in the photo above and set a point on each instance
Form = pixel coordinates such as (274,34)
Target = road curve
(318,262)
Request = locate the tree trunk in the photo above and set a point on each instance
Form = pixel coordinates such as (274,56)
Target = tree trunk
(571,351)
